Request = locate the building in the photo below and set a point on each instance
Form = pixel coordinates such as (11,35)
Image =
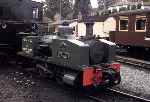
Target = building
(99,26)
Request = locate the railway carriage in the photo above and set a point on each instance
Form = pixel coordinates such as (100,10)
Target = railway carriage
(133,31)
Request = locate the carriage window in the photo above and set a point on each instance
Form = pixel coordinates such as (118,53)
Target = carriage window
(123,26)
(140,24)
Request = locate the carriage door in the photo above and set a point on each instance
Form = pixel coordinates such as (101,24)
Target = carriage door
(147,35)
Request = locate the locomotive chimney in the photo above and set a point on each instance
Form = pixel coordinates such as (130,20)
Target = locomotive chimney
(89,22)
(89,29)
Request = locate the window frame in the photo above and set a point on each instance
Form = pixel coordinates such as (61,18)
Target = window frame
(123,18)
(140,17)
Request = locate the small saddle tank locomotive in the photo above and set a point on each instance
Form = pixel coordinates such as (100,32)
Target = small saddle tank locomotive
(83,62)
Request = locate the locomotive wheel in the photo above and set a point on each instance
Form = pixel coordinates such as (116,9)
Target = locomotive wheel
(118,80)
(59,81)
(41,73)
(4,26)
(114,78)
(41,70)
(3,60)
(59,77)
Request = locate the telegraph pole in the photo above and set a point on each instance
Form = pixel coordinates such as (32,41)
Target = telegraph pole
(104,1)
(60,10)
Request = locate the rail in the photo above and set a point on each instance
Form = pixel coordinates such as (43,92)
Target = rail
(141,99)
(117,93)
(134,62)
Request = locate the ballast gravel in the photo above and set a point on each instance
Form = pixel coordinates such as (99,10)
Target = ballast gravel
(135,80)
(16,86)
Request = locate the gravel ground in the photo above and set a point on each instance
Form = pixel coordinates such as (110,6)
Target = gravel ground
(16,86)
(135,81)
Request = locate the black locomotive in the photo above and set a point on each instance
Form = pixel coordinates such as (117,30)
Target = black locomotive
(84,62)
(16,16)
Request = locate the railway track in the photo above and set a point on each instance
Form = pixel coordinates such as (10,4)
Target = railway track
(118,93)
(141,99)
(96,99)
(134,62)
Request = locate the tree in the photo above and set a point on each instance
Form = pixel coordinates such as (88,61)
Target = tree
(104,4)
(82,6)
(54,7)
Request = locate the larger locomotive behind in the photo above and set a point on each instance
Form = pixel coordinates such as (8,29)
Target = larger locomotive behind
(16,16)
(84,62)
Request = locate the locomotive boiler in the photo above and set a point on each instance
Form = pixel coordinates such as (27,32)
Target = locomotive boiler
(83,63)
